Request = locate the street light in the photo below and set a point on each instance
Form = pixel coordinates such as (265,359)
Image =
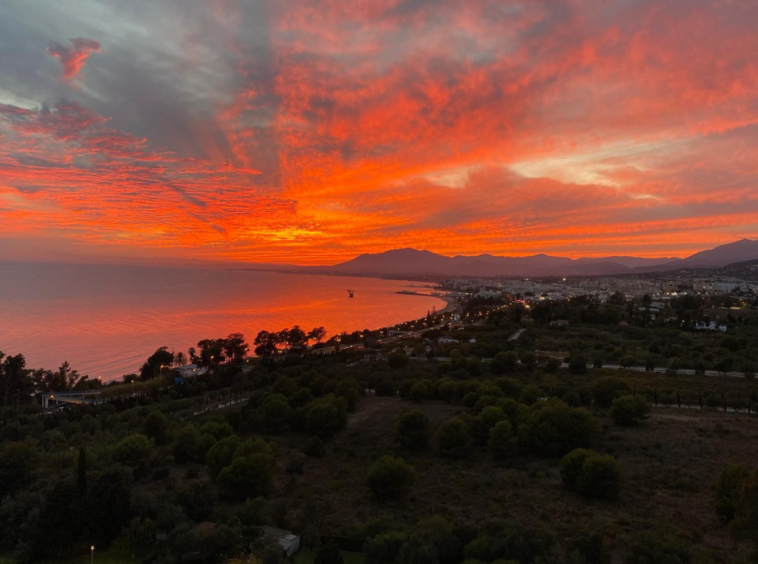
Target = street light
(92,554)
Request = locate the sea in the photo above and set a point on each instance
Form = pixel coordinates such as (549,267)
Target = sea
(106,320)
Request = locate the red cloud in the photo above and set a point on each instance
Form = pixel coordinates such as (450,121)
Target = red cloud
(74,57)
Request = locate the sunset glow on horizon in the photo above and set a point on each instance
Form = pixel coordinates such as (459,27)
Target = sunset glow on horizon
(308,132)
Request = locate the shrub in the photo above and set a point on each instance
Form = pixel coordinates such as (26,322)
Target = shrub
(398,359)
(326,416)
(502,441)
(419,392)
(220,455)
(386,388)
(390,477)
(530,394)
(134,451)
(628,410)
(553,428)
(453,438)
(504,362)
(600,477)
(552,365)
(413,429)
(608,389)
(729,490)
(659,547)
(247,476)
(384,548)
(571,466)
(577,364)
(591,474)
(315,448)
(156,426)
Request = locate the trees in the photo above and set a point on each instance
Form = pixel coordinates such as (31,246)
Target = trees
(16,384)
(398,359)
(577,364)
(65,378)
(413,429)
(389,477)
(17,464)
(266,344)
(153,366)
(326,416)
(628,410)
(328,554)
(156,426)
(453,438)
(504,362)
(317,334)
(608,389)
(502,441)
(134,451)
(247,476)
(591,474)
(553,428)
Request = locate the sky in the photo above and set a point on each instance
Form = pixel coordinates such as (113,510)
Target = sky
(308,132)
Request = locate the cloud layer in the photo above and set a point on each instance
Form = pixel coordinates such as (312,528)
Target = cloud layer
(311,131)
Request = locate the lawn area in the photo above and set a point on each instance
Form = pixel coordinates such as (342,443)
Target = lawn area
(306,557)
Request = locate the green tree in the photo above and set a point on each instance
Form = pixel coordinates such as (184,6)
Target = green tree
(628,410)
(17,465)
(247,476)
(413,429)
(504,362)
(155,426)
(553,428)
(398,359)
(729,490)
(453,438)
(160,360)
(384,548)
(220,455)
(571,466)
(608,389)
(577,364)
(659,547)
(328,554)
(134,451)
(390,477)
(502,440)
(600,477)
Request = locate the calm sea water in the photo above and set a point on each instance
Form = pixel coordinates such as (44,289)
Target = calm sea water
(106,320)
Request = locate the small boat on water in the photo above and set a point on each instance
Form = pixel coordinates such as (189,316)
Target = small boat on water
(350,293)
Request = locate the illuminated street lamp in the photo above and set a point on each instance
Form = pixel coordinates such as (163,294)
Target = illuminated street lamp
(92,554)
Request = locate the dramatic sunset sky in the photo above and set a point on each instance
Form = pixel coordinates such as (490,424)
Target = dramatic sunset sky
(311,131)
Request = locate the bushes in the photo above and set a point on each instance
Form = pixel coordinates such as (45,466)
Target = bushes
(628,410)
(398,360)
(608,389)
(553,428)
(453,438)
(413,430)
(247,476)
(591,474)
(389,477)
(502,441)
(577,364)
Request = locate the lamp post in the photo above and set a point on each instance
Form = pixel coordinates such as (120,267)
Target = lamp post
(92,554)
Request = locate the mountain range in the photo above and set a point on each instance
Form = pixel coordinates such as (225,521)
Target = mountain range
(402,262)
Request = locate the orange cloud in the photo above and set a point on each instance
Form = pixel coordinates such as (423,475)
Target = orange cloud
(73,57)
